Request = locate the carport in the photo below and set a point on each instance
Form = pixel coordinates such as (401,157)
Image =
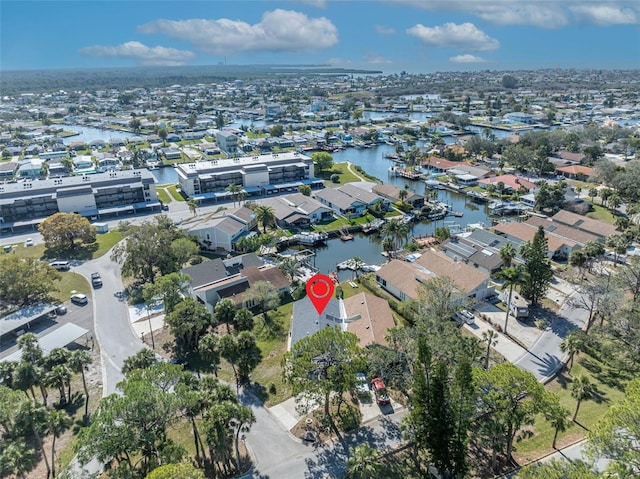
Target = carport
(23,318)
(61,337)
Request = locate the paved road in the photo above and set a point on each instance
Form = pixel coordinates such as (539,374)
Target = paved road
(278,455)
(112,326)
(544,358)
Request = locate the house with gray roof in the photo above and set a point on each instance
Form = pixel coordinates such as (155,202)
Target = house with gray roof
(298,210)
(221,230)
(348,200)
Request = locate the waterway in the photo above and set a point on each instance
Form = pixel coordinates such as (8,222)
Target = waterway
(88,134)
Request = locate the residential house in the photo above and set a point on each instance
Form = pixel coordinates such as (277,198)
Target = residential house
(298,210)
(171,153)
(558,247)
(219,231)
(595,227)
(228,142)
(83,163)
(575,172)
(348,200)
(8,170)
(402,279)
(392,193)
(30,167)
(511,183)
(216,283)
(367,316)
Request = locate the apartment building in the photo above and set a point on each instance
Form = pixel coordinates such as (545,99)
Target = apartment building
(263,174)
(114,192)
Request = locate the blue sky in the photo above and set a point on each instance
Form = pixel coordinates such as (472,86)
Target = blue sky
(389,35)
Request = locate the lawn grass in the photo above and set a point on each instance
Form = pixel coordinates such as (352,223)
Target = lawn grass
(601,213)
(341,222)
(342,171)
(69,282)
(609,386)
(175,194)
(273,344)
(164,196)
(104,242)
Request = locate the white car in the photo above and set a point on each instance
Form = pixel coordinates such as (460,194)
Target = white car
(362,385)
(28,242)
(80,299)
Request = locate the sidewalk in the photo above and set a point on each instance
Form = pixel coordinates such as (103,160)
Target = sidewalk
(139,317)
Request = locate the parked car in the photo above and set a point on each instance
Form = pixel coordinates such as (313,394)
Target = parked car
(380,391)
(61,309)
(79,298)
(61,265)
(28,242)
(96,280)
(362,387)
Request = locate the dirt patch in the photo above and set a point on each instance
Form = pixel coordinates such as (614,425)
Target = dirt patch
(315,426)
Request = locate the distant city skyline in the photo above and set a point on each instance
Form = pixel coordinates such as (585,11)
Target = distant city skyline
(389,35)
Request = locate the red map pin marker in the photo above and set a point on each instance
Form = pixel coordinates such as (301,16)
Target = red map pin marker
(320,290)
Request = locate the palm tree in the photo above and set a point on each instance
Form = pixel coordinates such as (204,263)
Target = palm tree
(78,361)
(17,459)
(362,464)
(512,277)
(56,421)
(192,203)
(266,216)
(390,230)
(357,264)
(402,194)
(289,266)
(33,416)
(234,190)
(558,416)
(581,389)
(489,336)
(614,201)
(387,246)
(507,253)
(572,344)
(593,192)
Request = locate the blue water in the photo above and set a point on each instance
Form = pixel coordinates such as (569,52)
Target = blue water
(165,175)
(88,134)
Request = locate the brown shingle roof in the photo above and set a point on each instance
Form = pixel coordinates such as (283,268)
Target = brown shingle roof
(466,277)
(527,232)
(596,227)
(375,318)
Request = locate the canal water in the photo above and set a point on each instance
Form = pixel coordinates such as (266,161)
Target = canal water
(88,134)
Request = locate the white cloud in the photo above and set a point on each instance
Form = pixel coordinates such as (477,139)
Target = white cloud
(465,36)
(142,54)
(384,30)
(338,61)
(279,31)
(467,58)
(605,14)
(542,14)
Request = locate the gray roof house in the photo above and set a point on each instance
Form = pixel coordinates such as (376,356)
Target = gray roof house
(298,210)
(221,230)
(348,200)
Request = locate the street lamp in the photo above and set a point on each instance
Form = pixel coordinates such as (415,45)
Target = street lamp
(153,343)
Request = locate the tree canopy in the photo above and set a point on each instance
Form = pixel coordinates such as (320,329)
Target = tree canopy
(66,231)
(26,281)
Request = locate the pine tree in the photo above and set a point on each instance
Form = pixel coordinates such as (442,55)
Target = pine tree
(538,272)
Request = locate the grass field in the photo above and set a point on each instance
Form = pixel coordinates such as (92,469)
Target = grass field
(163,195)
(601,213)
(342,171)
(104,242)
(71,282)
(609,386)
(173,191)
